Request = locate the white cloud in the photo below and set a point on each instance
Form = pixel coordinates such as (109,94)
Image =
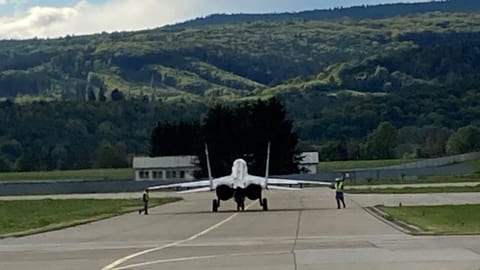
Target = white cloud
(3,2)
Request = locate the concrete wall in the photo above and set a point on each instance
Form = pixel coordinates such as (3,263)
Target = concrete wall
(409,171)
(437,162)
(75,187)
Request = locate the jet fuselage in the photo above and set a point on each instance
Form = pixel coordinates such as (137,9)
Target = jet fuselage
(241,187)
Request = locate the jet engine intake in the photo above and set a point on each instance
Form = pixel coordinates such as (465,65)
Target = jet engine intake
(253,192)
(224,192)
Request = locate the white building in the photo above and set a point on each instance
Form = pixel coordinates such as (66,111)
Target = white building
(162,168)
(309,162)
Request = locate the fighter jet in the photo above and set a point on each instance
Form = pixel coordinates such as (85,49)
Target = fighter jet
(239,185)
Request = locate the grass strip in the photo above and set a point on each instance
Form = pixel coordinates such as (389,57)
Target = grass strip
(445,219)
(410,190)
(355,164)
(25,217)
(424,180)
(90,174)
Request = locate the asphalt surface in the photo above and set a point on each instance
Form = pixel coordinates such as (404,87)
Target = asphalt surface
(303,230)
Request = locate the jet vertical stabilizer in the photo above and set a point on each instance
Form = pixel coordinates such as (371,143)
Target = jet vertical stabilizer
(210,178)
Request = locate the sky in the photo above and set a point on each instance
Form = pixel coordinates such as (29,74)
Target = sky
(20,19)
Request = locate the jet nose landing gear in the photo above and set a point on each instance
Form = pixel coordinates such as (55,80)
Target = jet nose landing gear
(241,206)
(239,197)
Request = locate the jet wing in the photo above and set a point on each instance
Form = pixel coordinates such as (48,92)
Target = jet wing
(202,189)
(198,186)
(272,187)
(280,181)
(194,184)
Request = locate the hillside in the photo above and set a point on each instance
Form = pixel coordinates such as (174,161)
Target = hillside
(356,12)
(245,59)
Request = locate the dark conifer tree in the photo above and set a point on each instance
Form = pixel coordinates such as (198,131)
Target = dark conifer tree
(175,139)
(244,132)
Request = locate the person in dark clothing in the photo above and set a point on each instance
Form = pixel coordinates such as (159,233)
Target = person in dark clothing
(145,198)
(339,192)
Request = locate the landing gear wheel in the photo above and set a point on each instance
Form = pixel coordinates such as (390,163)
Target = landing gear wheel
(215,205)
(265,204)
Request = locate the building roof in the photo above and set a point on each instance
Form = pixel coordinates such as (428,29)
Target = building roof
(309,158)
(164,162)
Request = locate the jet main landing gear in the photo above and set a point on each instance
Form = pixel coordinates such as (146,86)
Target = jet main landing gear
(264,204)
(215,205)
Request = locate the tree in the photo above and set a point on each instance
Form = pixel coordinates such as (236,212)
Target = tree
(220,134)
(175,139)
(329,151)
(435,142)
(117,95)
(109,156)
(466,139)
(381,142)
(244,132)
(5,165)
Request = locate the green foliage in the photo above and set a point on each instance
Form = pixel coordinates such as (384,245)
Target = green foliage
(5,165)
(381,142)
(242,58)
(465,140)
(242,131)
(110,156)
(176,139)
(69,135)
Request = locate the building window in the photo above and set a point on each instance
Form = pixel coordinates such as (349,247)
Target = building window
(157,175)
(144,174)
(174,174)
(182,174)
(169,174)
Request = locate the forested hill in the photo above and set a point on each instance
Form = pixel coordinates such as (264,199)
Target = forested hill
(251,59)
(356,12)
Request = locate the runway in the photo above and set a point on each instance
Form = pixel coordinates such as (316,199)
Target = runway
(303,230)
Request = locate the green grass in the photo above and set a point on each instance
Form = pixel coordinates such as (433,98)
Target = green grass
(410,190)
(475,164)
(422,180)
(448,219)
(355,164)
(23,217)
(93,174)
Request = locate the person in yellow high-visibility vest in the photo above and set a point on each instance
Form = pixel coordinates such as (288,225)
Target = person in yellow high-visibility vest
(339,191)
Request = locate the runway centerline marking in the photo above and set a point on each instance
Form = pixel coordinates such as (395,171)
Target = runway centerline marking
(116,263)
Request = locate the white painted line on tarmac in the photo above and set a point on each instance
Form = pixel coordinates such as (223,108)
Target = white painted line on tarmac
(118,262)
(131,266)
